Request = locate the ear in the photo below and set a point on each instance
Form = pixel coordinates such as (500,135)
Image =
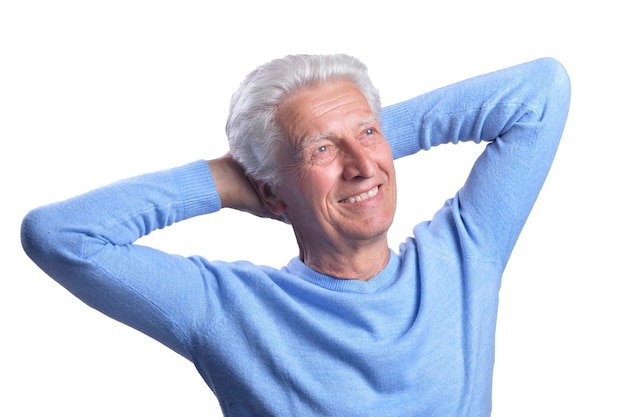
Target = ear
(268,196)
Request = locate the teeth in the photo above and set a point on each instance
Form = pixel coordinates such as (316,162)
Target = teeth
(362,196)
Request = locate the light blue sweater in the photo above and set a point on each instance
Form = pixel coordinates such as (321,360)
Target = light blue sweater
(415,340)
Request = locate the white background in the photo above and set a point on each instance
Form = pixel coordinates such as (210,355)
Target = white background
(93,91)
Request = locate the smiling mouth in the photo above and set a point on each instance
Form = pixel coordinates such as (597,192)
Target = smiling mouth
(361,197)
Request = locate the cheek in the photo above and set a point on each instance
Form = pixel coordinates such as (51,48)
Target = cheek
(315,179)
(312,191)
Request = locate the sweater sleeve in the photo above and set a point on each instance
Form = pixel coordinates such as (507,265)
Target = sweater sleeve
(87,244)
(521,113)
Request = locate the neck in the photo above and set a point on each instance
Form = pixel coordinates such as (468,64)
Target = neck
(355,262)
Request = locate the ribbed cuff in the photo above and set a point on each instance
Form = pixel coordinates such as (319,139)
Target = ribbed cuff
(197,189)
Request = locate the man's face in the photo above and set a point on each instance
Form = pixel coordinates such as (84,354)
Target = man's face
(338,180)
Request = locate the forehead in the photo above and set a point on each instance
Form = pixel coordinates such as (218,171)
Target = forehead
(323,108)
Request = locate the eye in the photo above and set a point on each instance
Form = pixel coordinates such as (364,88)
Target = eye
(369,137)
(321,149)
(322,154)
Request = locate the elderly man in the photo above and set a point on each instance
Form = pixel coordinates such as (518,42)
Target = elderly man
(349,327)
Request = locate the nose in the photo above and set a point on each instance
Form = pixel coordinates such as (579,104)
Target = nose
(358,162)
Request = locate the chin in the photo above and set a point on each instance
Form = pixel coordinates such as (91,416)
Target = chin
(376,228)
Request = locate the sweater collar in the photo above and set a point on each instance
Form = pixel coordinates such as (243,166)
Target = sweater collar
(378,282)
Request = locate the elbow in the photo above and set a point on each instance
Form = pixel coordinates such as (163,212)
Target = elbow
(551,89)
(43,239)
(34,236)
(556,82)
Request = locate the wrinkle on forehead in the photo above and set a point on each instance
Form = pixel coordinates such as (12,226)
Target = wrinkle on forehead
(331,104)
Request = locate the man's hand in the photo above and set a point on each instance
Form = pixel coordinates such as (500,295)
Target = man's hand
(235,189)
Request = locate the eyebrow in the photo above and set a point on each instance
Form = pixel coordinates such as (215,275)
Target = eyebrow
(308,141)
(368,120)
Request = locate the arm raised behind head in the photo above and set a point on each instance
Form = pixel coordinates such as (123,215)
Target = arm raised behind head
(520,112)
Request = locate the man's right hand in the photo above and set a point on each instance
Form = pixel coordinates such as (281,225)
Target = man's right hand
(235,189)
